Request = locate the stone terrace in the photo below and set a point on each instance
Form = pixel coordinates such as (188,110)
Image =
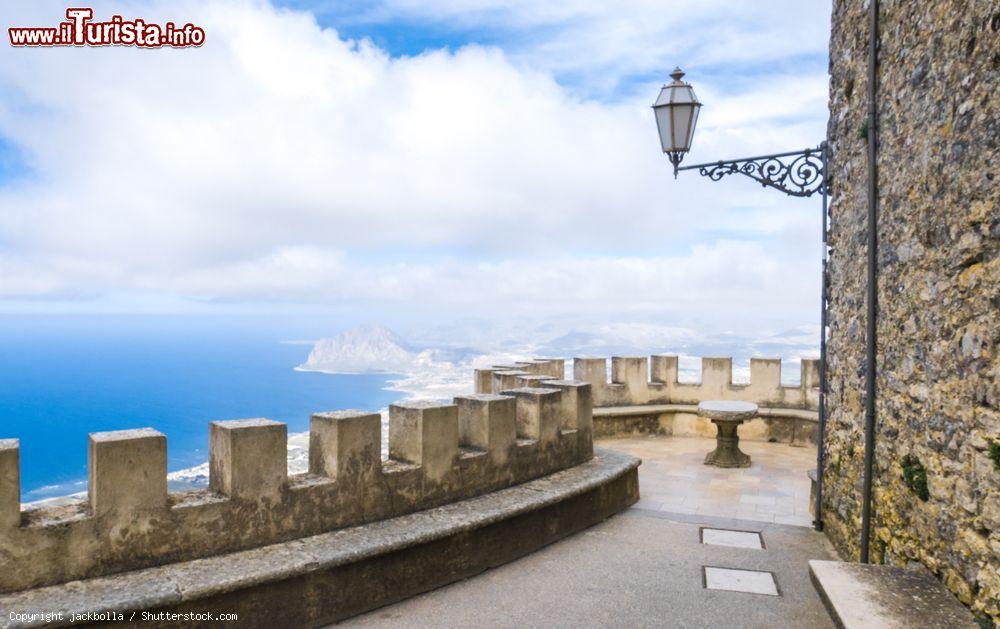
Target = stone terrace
(673,479)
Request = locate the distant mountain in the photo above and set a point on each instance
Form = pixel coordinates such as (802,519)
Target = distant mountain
(619,338)
(368,348)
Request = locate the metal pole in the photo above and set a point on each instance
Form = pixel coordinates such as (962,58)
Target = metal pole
(818,509)
(870,339)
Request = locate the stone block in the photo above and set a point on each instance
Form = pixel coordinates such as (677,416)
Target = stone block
(10,483)
(424,433)
(248,458)
(576,412)
(765,374)
(505,379)
(532,381)
(633,372)
(716,374)
(345,445)
(810,373)
(576,404)
(538,414)
(533,367)
(126,471)
(859,596)
(488,422)
(484,381)
(592,370)
(663,369)
(554,367)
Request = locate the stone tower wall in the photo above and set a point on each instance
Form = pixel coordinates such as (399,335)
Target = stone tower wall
(938,328)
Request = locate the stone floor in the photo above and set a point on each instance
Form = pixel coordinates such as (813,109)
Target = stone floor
(674,479)
(669,561)
(640,568)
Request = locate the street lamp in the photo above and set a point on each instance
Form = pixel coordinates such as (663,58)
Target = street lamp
(796,173)
(676,110)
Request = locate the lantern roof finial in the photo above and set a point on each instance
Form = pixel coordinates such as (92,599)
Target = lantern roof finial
(677,74)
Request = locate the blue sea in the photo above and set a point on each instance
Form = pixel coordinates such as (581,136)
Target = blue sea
(62,377)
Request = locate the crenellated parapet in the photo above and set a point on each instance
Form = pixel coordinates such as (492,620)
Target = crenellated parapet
(641,395)
(638,380)
(438,453)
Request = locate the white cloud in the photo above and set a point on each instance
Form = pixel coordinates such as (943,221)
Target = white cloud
(281,162)
(598,42)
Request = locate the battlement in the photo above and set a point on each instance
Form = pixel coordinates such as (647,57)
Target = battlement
(438,453)
(525,420)
(638,380)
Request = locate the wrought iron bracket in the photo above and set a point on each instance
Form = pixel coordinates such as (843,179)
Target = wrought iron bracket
(796,173)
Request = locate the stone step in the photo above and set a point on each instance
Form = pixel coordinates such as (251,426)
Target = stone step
(867,596)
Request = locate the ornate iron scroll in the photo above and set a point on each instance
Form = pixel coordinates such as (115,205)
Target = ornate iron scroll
(801,175)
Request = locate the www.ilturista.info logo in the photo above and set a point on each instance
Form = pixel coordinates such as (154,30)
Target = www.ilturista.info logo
(80,30)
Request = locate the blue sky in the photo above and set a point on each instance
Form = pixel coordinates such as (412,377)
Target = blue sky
(443,158)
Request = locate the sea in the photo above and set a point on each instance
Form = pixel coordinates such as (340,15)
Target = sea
(62,377)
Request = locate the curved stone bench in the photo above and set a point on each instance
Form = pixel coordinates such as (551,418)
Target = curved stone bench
(796,426)
(328,577)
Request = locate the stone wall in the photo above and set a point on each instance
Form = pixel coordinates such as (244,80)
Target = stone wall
(639,380)
(643,396)
(438,453)
(938,377)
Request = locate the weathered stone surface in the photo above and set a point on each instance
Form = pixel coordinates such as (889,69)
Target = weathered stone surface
(576,410)
(248,458)
(938,378)
(346,445)
(729,410)
(127,472)
(424,433)
(538,414)
(866,596)
(10,483)
(488,422)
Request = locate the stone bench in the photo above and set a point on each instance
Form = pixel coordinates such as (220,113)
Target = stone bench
(869,596)
(795,426)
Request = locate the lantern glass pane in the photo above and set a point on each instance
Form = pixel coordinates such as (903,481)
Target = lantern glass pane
(663,125)
(694,122)
(663,98)
(682,122)
(682,94)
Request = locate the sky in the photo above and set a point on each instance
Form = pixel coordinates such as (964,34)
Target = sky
(412,162)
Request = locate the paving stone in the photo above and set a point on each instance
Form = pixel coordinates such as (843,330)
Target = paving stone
(736,580)
(736,539)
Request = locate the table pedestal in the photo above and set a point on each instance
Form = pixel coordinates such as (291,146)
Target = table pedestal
(727,451)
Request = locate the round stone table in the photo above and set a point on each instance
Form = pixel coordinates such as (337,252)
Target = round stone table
(727,415)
